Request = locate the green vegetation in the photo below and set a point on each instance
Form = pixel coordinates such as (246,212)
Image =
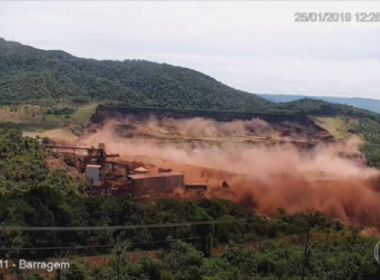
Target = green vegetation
(240,245)
(370,130)
(43,77)
(23,167)
(29,75)
(83,114)
(336,126)
(33,76)
(345,257)
(63,121)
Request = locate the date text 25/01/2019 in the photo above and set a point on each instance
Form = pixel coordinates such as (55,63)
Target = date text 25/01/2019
(337,17)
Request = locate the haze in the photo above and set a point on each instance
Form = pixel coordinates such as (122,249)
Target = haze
(253,46)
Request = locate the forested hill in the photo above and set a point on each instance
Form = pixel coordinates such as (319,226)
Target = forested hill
(358,102)
(28,74)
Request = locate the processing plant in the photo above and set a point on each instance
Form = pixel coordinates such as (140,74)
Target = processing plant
(116,178)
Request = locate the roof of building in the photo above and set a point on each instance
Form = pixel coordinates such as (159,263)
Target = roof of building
(93,165)
(154,175)
(141,169)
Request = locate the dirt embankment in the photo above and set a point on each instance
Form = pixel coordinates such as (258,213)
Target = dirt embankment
(289,125)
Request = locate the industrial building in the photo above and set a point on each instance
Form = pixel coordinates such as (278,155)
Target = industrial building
(160,182)
(115,178)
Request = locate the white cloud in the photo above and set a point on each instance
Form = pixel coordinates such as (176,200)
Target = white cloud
(255,46)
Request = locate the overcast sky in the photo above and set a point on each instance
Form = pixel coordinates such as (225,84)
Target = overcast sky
(254,46)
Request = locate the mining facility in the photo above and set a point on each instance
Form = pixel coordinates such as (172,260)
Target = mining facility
(109,177)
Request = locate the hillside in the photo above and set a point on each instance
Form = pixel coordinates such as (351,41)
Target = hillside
(53,90)
(358,102)
(32,75)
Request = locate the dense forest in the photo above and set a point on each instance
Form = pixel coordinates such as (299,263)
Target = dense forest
(31,75)
(216,240)
(359,102)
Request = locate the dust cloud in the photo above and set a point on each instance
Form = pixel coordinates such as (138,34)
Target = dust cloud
(330,177)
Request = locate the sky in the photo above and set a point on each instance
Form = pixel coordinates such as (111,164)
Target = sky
(254,46)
